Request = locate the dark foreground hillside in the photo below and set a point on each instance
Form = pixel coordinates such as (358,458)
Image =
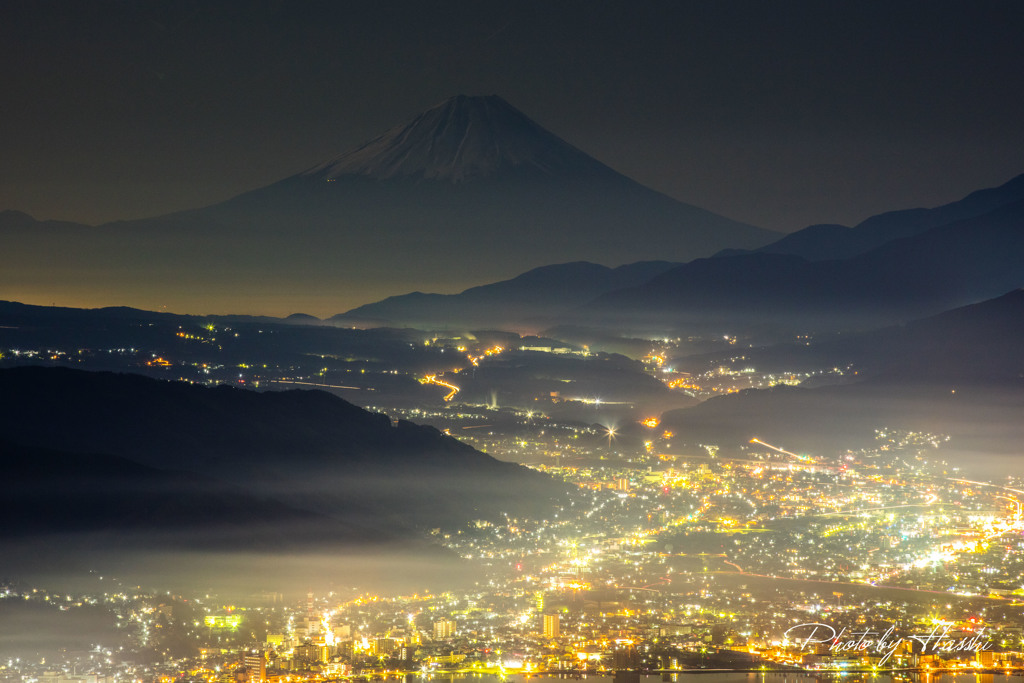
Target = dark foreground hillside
(192,487)
(308,449)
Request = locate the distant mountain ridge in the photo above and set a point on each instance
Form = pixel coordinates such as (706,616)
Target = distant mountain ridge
(825,242)
(537,295)
(13,311)
(978,342)
(939,269)
(895,266)
(19,220)
(959,373)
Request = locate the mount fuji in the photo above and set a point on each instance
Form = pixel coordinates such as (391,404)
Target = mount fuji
(464,139)
(466,193)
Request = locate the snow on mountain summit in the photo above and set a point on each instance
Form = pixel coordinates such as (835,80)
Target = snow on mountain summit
(461,139)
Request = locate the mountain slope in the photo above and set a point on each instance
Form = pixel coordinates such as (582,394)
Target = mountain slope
(14,221)
(824,242)
(960,373)
(979,342)
(309,449)
(983,420)
(942,268)
(817,269)
(462,139)
(52,492)
(539,293)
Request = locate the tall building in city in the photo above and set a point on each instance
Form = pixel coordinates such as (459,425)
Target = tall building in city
(444,629)
(255,667)
(625,657)
(550,625)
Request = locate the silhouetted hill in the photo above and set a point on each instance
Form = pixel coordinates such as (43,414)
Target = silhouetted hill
(826,242)
(302,319)
(981,419)
(34,327)
(47,492)
(784,276)
(16,313)
(942,268)
(505,194)
(308,449)
(520,378)
(17,223)
(979,342)
(960,373)
(541,293)
(19,313)
(818,243)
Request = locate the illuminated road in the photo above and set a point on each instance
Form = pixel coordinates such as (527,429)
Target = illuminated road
(473,360)
(779,450)
(1017,502)
(432,379)
(932,500)
(318,384)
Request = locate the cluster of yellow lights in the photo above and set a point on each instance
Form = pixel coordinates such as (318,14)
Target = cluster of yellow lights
(231,621)
(493,351)
(452,389)
(682,383)
(474,360)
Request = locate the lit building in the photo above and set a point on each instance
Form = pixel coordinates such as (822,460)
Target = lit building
(444,629)
(255,667)
(550,625)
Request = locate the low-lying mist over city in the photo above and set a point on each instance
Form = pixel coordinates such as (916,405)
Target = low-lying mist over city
(482,341)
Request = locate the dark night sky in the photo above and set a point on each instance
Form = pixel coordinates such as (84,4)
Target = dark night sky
(780,114)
